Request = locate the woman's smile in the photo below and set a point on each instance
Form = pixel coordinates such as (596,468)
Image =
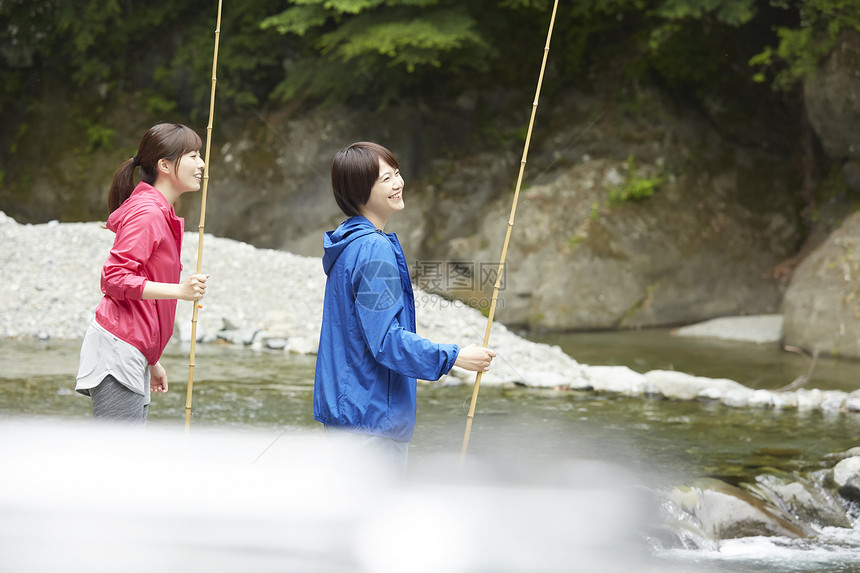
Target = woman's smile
(386,195)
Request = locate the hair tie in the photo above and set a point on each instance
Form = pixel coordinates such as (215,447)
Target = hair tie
(135,160)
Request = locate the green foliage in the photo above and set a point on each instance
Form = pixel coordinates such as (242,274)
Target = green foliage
(98,136)
(22,130)
(376,45)
(157,105)
(87,24)
(832,186)
(105,47)
(297,20)
(800,48)
(410,44)
(491,133)
(574,240)
(379,50)
(731,12)
(635,188)
(249,59)
(697,44)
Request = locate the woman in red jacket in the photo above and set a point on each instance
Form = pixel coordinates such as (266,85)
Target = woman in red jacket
(140,279)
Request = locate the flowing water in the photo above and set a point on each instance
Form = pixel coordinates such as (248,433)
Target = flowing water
(521,429)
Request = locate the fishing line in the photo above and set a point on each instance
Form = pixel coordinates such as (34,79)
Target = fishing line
(568,148)
(283,139)
(552,408)
(266,449)
(575,431)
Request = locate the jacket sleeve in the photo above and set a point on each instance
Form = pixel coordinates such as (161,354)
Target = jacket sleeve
(411,355)
(378,293)
(123,275)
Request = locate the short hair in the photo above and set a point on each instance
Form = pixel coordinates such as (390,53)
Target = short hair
(354,170)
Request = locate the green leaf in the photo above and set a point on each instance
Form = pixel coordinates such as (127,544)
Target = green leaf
(297,20)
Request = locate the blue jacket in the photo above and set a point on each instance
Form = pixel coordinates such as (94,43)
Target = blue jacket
(369,355)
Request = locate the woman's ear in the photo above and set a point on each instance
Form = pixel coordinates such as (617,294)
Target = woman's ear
(163,166)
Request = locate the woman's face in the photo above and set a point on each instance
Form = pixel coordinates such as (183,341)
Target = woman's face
(188,174)
(386,195)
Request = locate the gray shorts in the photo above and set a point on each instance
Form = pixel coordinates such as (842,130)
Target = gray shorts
(113,402)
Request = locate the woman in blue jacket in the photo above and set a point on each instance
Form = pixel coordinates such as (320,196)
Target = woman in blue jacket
(369,354)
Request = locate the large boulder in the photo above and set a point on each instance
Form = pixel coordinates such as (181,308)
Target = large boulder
(846,476)
(821,308)
(800,497)
(723,511)
(833,106)
(700,247)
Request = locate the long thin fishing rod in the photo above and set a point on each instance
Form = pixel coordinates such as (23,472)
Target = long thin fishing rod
(497,285)
(202,224)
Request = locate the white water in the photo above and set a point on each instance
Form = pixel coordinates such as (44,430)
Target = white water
(834,550)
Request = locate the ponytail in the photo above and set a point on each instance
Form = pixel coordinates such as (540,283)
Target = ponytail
(122,185)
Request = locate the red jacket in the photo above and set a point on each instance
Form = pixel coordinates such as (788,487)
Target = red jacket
(147,246)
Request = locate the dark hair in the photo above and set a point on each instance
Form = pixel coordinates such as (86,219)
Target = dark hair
(162,141)
(354,170)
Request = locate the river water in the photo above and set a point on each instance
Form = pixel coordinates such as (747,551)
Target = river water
(519,431)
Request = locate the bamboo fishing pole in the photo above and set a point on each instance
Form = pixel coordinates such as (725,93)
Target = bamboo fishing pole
(497,285)
(202,224)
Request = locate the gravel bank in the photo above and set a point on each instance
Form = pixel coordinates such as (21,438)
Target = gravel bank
(761,329)
(49,288)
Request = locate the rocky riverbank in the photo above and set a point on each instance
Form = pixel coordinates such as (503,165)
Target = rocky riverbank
(265,298)
(272,299)
(257,297)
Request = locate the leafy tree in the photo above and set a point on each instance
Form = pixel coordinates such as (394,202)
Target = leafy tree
(802,46)
(731,12)
(385,48)
(377,50)
(112,46)
(376,45)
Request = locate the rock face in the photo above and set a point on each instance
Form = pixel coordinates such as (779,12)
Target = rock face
(721,214)
(775,504)
(822,305)
(700,247)
(725,512)
(808,501)
(833,107)
(271,180)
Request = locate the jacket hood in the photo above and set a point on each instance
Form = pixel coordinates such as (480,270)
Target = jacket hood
(334,242)
(144,192)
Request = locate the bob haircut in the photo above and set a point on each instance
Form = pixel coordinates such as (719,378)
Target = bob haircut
(354,171)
